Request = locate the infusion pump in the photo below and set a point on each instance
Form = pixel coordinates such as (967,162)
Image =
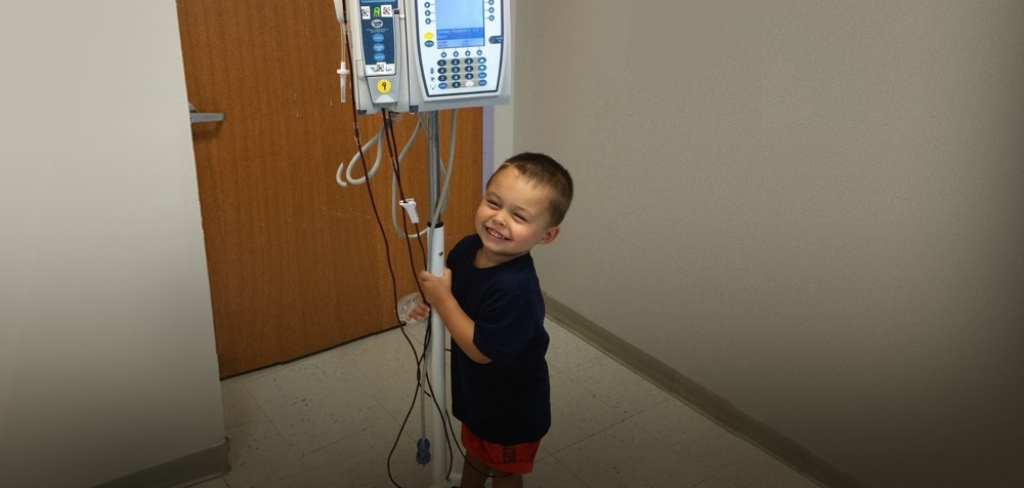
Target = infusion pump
(425,55)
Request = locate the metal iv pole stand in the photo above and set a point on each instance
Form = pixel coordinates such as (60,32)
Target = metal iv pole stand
(435,356)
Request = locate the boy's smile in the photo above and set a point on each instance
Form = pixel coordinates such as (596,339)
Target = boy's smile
(513,216)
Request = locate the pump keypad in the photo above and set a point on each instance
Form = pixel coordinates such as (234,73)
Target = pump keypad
(461,71)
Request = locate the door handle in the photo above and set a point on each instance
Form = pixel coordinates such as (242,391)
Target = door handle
(200,117)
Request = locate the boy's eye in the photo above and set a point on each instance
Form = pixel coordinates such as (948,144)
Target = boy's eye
(519,218)
(492,204)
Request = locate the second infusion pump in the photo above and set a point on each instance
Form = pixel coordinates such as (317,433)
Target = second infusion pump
(425,55)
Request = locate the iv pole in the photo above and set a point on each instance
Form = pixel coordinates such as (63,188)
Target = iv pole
(435,356)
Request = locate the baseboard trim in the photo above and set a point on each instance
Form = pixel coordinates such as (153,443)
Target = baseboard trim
(185,471)
(704,401)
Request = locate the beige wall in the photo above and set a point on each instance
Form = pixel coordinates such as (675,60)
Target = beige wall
(814,209)
(107,360)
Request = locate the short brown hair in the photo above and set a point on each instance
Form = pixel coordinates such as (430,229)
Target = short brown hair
(544,170)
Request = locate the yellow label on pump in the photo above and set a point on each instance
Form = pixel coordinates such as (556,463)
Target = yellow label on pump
(383,86)
(428,36)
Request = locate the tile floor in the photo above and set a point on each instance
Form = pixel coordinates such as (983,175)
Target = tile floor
(330,420)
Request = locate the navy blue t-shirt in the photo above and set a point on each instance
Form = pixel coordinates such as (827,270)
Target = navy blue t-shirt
(507,401)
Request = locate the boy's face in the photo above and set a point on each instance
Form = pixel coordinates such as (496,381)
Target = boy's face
(513,216)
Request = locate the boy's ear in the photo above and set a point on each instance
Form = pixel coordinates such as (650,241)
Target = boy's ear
(550,235)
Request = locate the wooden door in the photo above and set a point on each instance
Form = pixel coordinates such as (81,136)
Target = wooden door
(297,263)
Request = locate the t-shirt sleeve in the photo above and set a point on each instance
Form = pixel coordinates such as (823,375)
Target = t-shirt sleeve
(503,327)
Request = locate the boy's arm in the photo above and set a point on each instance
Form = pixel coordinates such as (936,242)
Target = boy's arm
(437,290)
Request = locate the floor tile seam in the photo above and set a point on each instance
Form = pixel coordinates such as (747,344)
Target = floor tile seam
(373,389)
(633,419)
(710,476)
(664,445)
(567,469)
(417,397)
(295,454)
(578,347)
(407,423)
(616,361)
(714,473)
(273,478)
(648,408)
(266,416)
(412,342)
(576,379)
(675,451)
(659,442)
(554,453)
(599,394)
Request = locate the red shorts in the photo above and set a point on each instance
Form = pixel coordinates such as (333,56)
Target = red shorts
(516,459)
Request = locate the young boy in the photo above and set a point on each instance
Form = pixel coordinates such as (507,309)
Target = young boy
(490,300)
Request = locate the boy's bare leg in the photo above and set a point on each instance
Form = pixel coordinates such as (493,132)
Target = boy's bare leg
(507,480)
(474,472)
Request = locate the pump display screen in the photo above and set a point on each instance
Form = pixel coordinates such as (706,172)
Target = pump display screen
(459,23)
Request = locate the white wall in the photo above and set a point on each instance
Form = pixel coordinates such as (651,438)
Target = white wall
(107,358)
(813,209)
